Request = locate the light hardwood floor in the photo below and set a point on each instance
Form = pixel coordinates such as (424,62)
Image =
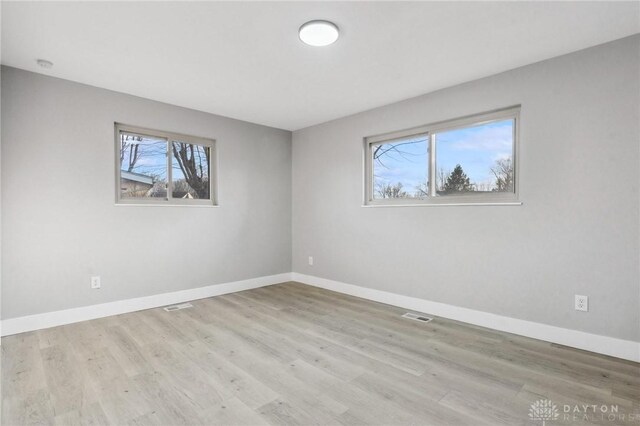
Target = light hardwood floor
(293,354)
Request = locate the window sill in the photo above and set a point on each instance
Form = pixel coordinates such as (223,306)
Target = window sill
(201,206)
(491,203)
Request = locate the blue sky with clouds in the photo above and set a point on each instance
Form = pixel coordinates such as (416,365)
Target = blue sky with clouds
(152,159)
(475,148)
(405,161)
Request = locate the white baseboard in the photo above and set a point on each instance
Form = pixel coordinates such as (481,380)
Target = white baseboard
(619,348)
(68,316)
(611,346)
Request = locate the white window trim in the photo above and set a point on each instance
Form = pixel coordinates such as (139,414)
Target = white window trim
(429,130)
(169,137)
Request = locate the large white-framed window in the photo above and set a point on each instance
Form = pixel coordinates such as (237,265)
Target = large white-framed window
(469,160)
(154,167)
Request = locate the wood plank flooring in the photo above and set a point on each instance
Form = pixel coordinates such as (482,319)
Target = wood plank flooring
(290,354)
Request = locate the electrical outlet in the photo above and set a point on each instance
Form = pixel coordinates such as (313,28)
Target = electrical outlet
(310,260)
(95,282)
(582,303)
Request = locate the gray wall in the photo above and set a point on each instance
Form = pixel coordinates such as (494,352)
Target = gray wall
(576,233)
(60,224)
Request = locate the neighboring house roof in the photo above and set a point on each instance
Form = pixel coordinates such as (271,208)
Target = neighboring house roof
(136,177)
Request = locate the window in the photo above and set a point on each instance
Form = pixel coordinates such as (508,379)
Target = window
(400,168)
(154,167)
(469,160)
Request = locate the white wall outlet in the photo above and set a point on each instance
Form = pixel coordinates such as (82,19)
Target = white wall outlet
(310,260)
(582,303)
(95,282)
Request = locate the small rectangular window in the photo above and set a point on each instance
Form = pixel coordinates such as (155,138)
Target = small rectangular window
(469,160)
(155,167)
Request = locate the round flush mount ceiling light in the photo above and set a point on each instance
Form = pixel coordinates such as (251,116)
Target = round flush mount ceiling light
(318,33)
(44,63)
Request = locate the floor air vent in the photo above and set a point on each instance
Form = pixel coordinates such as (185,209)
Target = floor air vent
(417,317)
(178,307)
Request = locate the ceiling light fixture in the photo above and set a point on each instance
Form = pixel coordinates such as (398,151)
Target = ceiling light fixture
(44,63)
(318,33)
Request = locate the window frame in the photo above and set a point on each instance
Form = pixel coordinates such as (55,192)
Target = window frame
(169,137)
(429,131)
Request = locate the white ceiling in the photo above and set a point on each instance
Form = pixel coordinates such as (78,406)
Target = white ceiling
(244,60)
